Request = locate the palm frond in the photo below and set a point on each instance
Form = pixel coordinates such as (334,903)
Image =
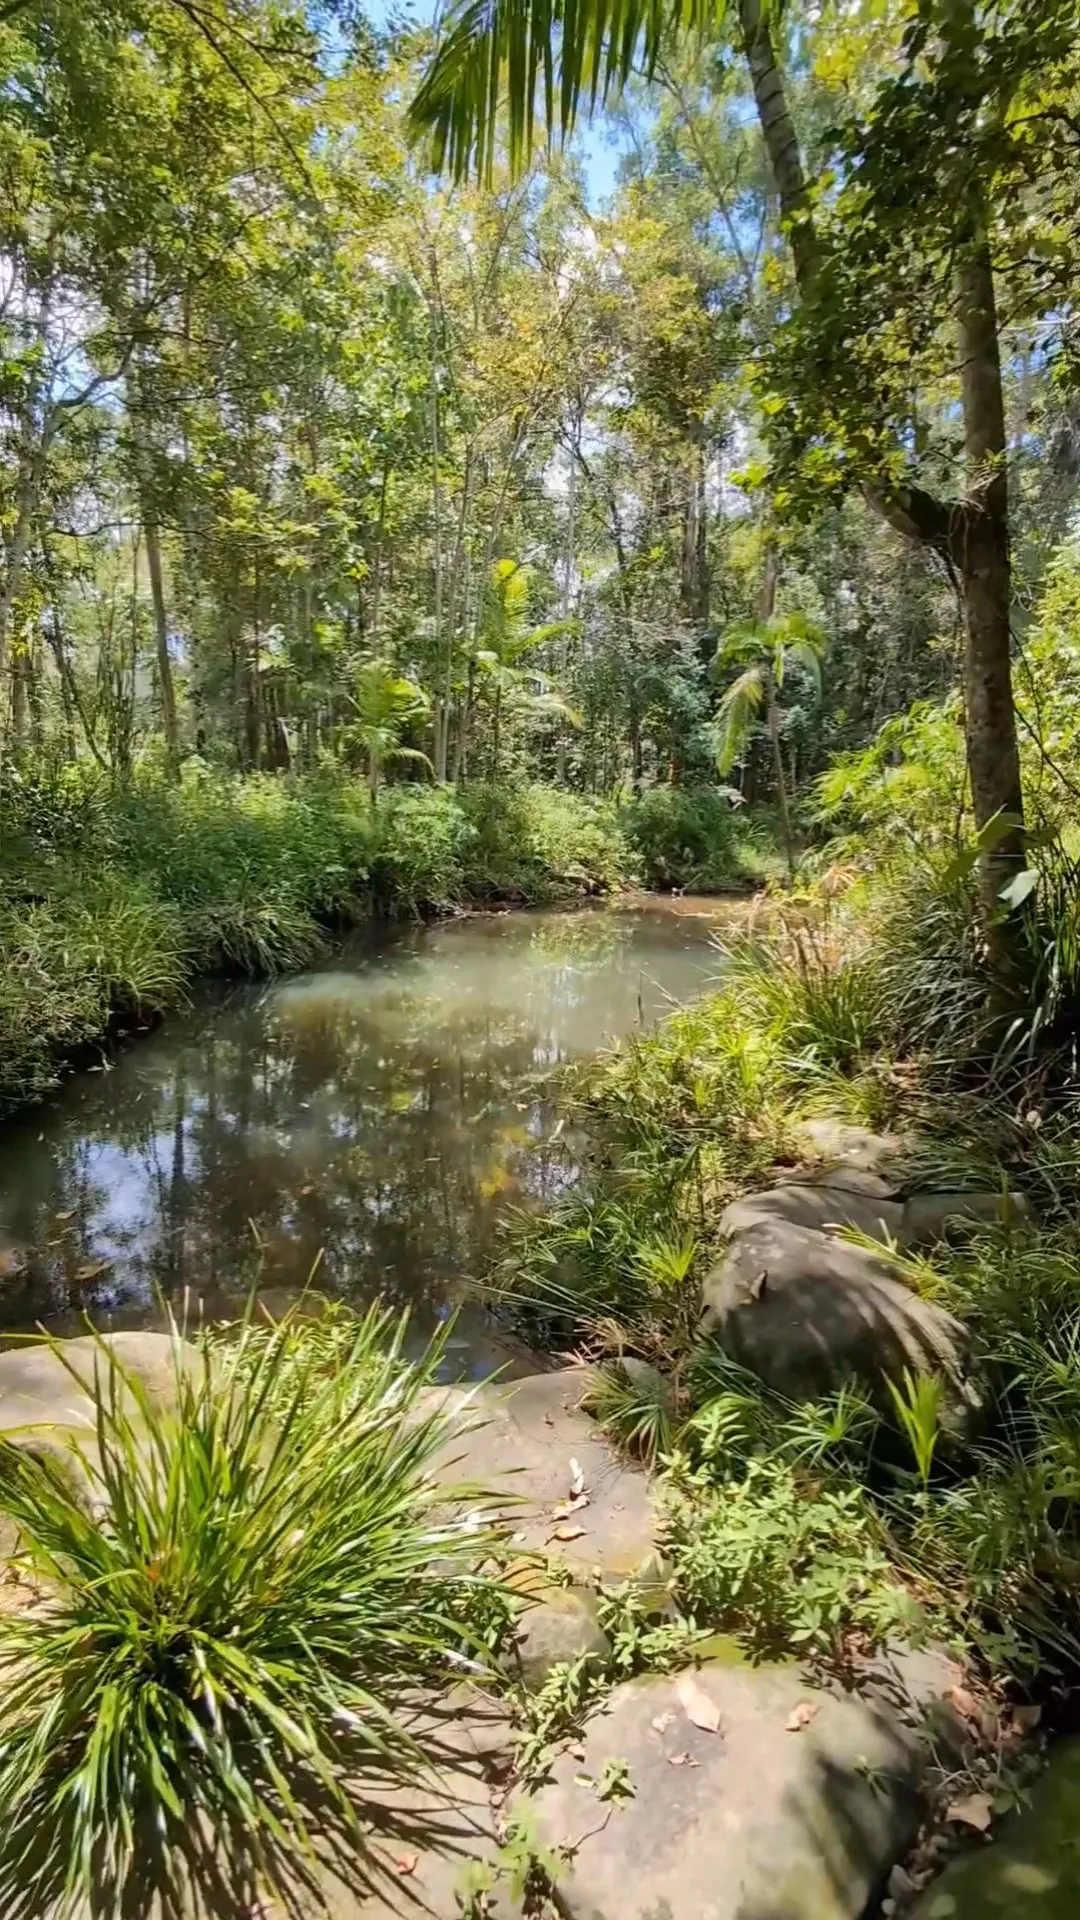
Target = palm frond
(571,48)
(739,709)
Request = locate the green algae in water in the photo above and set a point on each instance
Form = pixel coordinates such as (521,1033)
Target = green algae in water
(1033,1871)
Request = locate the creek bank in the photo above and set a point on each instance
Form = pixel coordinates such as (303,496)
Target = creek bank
(811,1788)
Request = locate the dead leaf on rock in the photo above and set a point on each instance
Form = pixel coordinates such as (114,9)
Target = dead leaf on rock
(964,1702)
(664,1720)
(570,1506)
(974,1810)
(681,1760)
(696,1704)
(568,1533)
(577,1480)
(801,1715)
(406,1863)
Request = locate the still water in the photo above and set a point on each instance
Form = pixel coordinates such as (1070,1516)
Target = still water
(374,1115)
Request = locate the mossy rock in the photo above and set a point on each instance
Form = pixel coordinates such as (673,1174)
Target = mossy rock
(1033,1871)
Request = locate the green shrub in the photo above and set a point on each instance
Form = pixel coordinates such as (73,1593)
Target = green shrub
(695,839)
(422,842)
(782,1560)
(534,844)
(238,1612)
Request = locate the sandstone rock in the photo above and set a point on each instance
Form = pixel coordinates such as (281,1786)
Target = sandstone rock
(940,1216)
(806,1311)
(827,1204)
(563,1624)
(751,1822)
(37,1388)
(1032,1871)
(517,1440)
(849,1146)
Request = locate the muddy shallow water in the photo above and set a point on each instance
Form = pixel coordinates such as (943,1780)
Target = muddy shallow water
(374,1114)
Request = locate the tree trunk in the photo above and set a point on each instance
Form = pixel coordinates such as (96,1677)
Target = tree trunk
(981,553)
(781,141)
(974,533)
(144,463)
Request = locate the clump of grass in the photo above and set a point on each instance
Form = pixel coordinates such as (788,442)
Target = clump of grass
(242,1593)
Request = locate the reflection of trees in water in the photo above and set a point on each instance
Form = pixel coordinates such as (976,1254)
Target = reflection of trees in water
(391,1156)
(381,1116)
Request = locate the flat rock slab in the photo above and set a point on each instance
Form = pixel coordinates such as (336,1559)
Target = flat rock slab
(806,1311)
(37,1389)
(1032,1870)
(517,1440)
(751,1822)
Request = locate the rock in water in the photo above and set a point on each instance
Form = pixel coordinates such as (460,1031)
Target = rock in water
(1033,1871)
(806,1311)
(753,1798)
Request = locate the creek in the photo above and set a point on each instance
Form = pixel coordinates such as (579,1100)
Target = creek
(372,1117)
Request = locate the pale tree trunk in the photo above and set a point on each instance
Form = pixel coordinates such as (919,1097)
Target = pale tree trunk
(974,533)
(770,577)
(148,513)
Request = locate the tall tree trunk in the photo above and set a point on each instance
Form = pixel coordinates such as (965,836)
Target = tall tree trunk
(974,533)
(148,511)
(770,578)
(981,551)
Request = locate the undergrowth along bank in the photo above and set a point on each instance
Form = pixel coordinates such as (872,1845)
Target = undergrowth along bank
(828,1522)
(113,897)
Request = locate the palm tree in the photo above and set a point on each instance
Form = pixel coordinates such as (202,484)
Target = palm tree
(505,642)
(764,651)
(385,704)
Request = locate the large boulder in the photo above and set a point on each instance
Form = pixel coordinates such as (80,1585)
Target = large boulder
(805,1311)
(53,1385)
(1032,1872)
(827,1202)
(930,1217)
(792,1806)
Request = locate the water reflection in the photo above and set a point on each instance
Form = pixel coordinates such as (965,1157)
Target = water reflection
(376,1113)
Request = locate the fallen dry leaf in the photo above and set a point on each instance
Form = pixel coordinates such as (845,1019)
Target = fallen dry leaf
(664,1720)
(549,1419)
(577,1480)
(576,1749)
(406,1863)
(681,1760)
(570,1506)
(91,1270)
(974,1810)
(1026,1719)
(304,1191)
(964,1702)
(568,1533)
(696,1704)
(801,1716)
(64,1216)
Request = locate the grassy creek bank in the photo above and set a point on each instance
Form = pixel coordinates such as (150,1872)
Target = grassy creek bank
(113,898)
(827,1279)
